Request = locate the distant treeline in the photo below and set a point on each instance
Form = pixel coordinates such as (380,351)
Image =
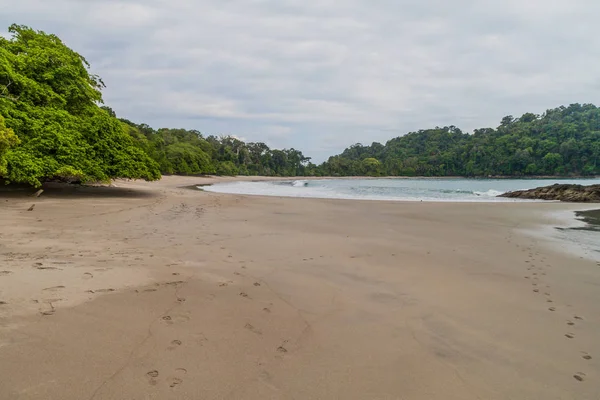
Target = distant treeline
(188,152)
(562,141)
(53,126)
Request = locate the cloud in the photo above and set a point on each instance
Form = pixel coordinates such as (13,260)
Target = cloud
(321,75)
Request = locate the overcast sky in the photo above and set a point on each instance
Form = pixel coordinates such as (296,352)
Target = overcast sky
(320,75)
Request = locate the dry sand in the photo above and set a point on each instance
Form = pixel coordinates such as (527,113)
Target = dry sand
(152,291)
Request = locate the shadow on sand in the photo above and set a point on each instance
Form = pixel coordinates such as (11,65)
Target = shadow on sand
(65,190)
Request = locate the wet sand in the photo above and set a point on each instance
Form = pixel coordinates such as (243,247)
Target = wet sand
(153,291)
(591,218)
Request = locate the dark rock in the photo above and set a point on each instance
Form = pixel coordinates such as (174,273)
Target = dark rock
(563,192)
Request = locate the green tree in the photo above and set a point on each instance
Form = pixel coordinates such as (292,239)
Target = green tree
(8,139)
(371,166)
(186,159)
(561,141)
(51,102)
(227,168)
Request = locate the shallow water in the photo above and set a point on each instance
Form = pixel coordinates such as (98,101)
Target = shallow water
(579,232)
(591,218)
(441,189)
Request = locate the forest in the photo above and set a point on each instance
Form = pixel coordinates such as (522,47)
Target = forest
(564,141)
(54,126)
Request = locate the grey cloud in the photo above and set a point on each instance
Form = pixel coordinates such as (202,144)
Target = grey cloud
(321,75)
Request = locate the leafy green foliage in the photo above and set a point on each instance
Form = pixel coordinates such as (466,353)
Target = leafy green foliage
(7,140)
(50,101)
(562,141)
(188,152)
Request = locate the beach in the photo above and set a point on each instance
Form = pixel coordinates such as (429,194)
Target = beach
(158,291)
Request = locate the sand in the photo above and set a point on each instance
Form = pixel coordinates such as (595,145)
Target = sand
(154,291)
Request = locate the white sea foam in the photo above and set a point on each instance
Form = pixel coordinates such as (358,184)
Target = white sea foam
(489,193)
(471,190)
(300,183)
(457,190)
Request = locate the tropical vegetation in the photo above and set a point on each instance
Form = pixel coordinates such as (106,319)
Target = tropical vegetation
(561,141)
(54,126)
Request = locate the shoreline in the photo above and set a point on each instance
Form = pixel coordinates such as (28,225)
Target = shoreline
(268,178)
(479,196)
(150,290)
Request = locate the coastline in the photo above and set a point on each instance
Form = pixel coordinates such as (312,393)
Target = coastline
(149,290)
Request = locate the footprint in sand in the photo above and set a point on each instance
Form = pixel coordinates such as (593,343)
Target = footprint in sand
(41,266)
(49,310)
(251,328)
(174,283)
(88,275)
(54,288)
(578,317)
(243,294)
(152,375)
(175,380)
(579,376)
(4,273)
(105,290)
(585,355)
(175,319)
(174,344)
(552,309)
(570,335)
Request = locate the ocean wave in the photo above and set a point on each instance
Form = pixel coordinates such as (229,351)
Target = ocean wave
(455,190)
(489,193)
(300,183)
(451,191)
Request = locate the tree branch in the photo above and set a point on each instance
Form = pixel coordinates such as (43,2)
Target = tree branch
(4,91)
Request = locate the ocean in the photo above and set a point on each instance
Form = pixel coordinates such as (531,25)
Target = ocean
(400,189)
(579,231)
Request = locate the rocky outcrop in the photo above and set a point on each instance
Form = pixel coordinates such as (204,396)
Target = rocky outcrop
(562,192)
